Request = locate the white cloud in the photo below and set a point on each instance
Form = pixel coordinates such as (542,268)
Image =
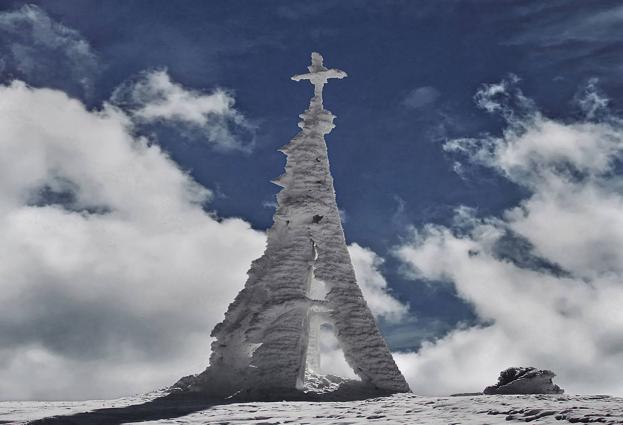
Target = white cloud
(45,51)
(374,286)
(343,215)
(421,97)
(553,300)
(154,97)
(591,101)
(534,149)
(112,274)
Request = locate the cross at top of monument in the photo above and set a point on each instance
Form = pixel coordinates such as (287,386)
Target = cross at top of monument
(318,74)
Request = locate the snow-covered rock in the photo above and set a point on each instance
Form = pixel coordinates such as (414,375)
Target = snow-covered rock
(525,380)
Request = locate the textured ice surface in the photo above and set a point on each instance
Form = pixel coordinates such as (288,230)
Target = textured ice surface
(268,342)
(396,409)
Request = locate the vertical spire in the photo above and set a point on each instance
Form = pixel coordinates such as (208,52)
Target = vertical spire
(268,340)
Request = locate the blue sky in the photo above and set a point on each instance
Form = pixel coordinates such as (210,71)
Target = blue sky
(414,71)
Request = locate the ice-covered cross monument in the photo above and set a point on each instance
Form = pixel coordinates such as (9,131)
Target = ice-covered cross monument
(268,344)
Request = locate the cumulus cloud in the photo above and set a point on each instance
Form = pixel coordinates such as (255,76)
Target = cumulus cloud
(112,273)
(46,52)
(546,276)
(421,97)
(374,286)
(154,98)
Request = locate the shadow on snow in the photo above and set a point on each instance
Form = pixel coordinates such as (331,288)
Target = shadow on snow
(164,407)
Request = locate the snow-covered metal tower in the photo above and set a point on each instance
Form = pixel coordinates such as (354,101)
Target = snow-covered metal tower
(269,337)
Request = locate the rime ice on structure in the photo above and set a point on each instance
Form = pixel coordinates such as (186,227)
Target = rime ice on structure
(269,337)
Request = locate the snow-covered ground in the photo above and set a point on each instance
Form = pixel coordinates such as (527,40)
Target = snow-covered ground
(397,409)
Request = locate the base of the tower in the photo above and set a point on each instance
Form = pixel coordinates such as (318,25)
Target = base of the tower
(323,388)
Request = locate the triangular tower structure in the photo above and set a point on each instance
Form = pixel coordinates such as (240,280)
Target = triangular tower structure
(268,341)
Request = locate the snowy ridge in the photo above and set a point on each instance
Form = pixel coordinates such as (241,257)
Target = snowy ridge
(304,279)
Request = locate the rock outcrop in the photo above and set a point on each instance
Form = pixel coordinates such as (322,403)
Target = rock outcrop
(524,380)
